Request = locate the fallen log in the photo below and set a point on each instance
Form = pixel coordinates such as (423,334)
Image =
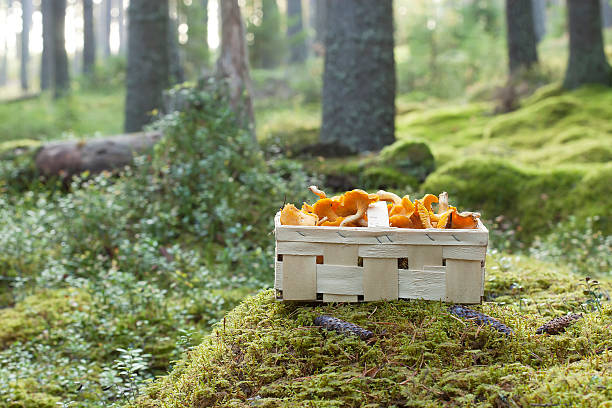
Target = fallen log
(71,157)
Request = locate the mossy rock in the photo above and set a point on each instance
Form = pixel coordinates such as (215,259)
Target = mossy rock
(413,158)
(268,354)
(534,199)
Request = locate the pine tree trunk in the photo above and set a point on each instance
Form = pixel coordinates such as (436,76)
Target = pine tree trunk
(205,31)
(606,13)
(521,38)
(107,27)
(121,18)
(89,41)
(4,60)
(26,18)
(233,63)
(359,77)
(61,78)
(148,65)
(587,61)
(295,31)
(539,18)
(47,66)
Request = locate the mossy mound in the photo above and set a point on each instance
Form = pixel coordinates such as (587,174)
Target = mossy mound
(37,313)
(401,166)
(533,199)
(413,158)
(267,354)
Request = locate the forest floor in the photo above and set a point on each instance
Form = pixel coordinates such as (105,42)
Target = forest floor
(91,309)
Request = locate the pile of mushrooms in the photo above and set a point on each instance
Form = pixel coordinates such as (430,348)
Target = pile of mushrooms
(349,210)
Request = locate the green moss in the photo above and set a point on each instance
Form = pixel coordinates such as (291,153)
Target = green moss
(534,199)
(37,313)
(411,157)
(26,394)
(267,354)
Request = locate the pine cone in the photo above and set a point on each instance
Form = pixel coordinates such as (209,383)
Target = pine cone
(342,327)
(480,318)
(559,324)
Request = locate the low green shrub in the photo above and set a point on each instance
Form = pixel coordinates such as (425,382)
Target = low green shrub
(159,253)
(579,244)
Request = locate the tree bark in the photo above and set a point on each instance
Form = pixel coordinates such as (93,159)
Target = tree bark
(121,18)
(606,13)
(587,61)
(148,65)
(539,18)
(4,61)
(521,38)
(205,31)
(89,41)
(72,157)
(26,18)
(233,63)
(47,66)
(359,77)
(108,6)
(295,31)
(61,78)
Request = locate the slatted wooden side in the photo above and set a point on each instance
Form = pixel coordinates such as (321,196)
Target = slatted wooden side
(463,281)
(427,284)
(299,277)
(344,257)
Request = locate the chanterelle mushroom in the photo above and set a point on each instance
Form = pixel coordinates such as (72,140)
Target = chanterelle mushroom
(388,196)
(324,208)
(357,202)
(315,190)
(290,215)
(465,220)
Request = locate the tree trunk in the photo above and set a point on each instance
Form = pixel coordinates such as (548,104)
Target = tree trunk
(47,66)
(121,18)
(177,75)
(4,60)
(521,38)
(587,61)
(606,13)
(26,18)
(205,32)
(148,65)
(295,31)
(60,58)
(233,63)
(72,157)
(108,6)
(539,18)
(89,41)
(359,76)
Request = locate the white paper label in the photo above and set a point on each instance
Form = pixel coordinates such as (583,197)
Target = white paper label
(378,216)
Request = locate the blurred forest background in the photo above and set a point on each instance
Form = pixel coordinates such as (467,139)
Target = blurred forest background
(112,266)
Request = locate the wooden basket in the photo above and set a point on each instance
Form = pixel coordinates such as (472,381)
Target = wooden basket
(351,264)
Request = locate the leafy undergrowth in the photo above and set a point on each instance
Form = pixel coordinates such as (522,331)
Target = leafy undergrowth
(105,283)
(268,354)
